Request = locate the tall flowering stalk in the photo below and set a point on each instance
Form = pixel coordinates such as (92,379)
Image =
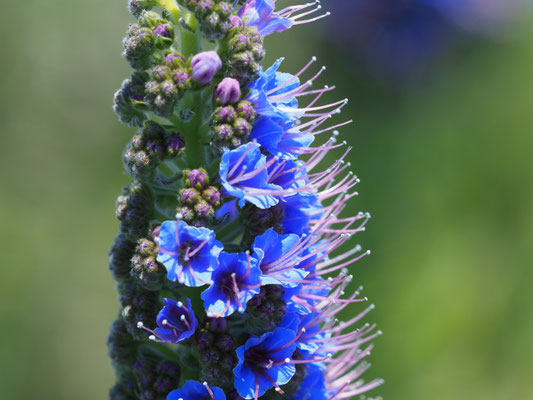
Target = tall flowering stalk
(232,259)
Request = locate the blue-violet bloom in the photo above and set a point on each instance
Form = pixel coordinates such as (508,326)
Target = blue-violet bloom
(193,390)
(236,280)
(189,254)
(264,362)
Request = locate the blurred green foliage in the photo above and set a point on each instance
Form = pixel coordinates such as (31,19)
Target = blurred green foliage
(446,171)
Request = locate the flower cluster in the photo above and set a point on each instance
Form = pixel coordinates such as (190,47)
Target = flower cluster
(232,261)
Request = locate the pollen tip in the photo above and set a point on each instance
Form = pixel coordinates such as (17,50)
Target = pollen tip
(179,215)
(287,360)
(366,298)
(313,59)
(164,322)
(241,309)
(140,325)
(179,304)
(151,337)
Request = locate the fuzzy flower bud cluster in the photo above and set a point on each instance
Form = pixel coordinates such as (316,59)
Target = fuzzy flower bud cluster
(233,252)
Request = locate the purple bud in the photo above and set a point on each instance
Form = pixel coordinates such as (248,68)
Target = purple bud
(204,66)
(181,77)
(235,21)
(161,73)
(174,60)
(204,6)
(169,88)
(146,247)
(242,127)
(246,110)
(189,196)
(224,114)
(162,31)
(197,178)
(228,91)
(174,144)
(223,131)
(187,213)
(212,195)
(204,209)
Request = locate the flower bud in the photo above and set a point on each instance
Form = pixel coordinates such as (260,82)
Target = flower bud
(134,209)
(189,196)
(127,98)
(228,91)
(197,178)
(146,271)
(212,196)
(224,115)
(204,210)
(205,6)
(139,305)
(242,128)
(164,35)
(161,73)
(136,7)
(174,145)
(266,309)
(246,110)
(204,66)
(150,19)
(120,255)
(174,60)
(182,78)
(122,349)
(163,30)
(187,214)
(235,21)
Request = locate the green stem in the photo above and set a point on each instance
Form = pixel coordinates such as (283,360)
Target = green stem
(191,42)
(172,8)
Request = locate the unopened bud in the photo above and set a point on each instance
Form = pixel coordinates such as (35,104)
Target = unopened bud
(204,66)
(197,178)
(228,91)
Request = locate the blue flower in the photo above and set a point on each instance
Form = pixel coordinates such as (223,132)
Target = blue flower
(313,338)
(244,175)
(298,210)
(260,13)
(263,363)
(287,174)
(314,286)
(277,257)
(235,282)
(314,385)
(189,254)
(175,322)
(270,94)
(283,140)
(193,390)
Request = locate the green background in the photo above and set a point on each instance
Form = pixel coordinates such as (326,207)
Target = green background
(446,171)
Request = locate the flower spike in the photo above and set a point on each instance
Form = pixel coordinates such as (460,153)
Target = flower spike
(234,257)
